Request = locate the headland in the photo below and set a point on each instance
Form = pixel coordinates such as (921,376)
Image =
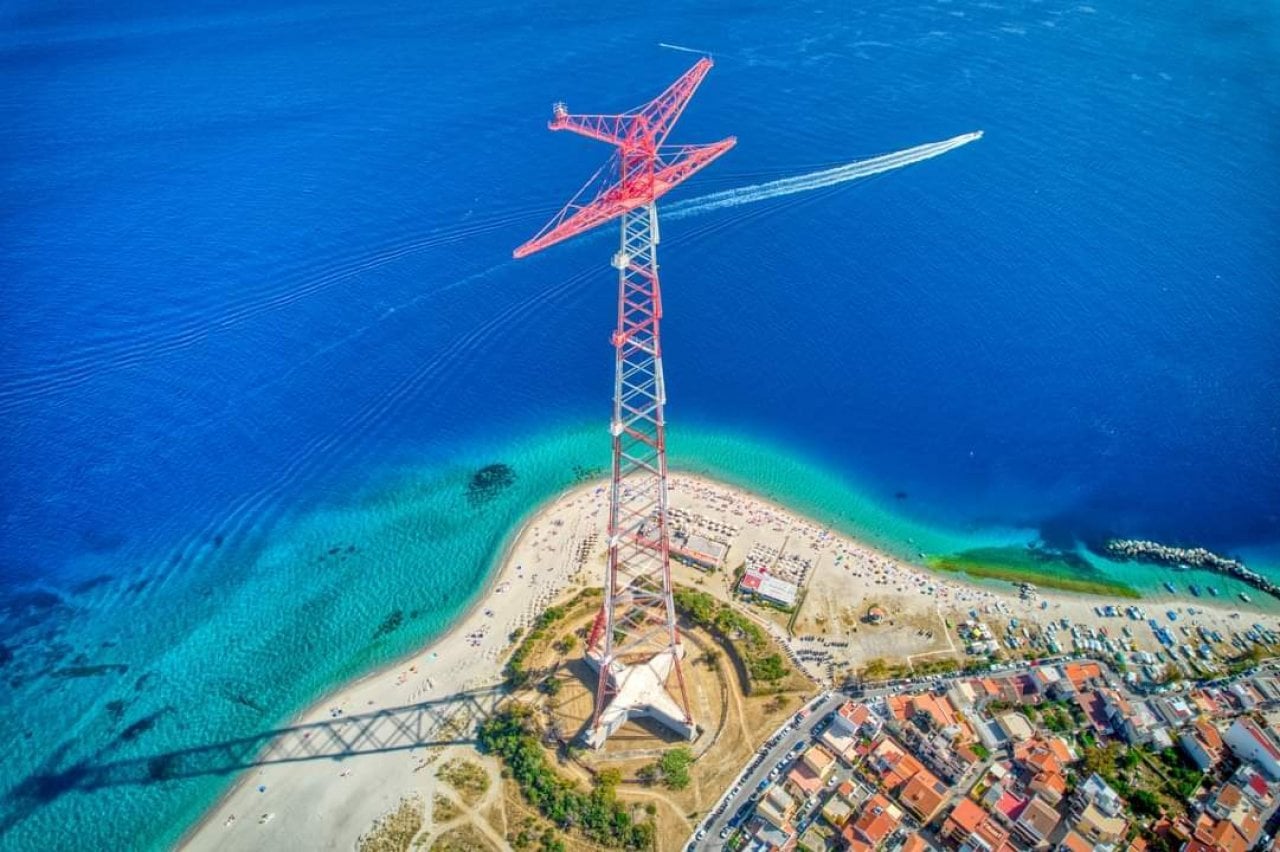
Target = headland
(376,749)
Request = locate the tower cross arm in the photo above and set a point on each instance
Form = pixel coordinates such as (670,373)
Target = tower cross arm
(642,128)
(679,163)
(660,115)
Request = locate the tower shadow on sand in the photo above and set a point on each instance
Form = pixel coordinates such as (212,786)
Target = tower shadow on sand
(446,721)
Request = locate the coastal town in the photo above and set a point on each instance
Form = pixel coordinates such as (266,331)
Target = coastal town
(1058,756)
(846,699)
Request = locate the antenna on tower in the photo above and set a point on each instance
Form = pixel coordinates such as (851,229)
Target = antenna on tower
(634,644)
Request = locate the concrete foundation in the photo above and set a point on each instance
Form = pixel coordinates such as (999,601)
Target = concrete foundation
(639,691)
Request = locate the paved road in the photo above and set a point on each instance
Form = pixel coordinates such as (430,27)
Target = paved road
(762,765)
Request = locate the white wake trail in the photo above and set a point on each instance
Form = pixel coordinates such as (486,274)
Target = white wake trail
(816,180)
(683,49)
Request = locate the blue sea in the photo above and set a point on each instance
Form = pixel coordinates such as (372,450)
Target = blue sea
(259,324)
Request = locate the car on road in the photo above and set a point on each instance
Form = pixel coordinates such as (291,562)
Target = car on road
(725,831)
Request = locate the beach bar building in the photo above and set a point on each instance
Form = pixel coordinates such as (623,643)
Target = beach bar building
(699,551)
(770,588)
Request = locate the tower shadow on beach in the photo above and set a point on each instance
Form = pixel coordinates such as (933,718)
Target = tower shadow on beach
(446,721)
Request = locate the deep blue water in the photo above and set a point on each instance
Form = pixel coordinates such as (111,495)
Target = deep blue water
(257,303)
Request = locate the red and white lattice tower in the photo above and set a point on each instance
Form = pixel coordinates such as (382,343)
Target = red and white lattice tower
(634,643)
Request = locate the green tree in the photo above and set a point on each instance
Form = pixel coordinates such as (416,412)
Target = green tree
(674,767)
(1103,760)
(1145,803)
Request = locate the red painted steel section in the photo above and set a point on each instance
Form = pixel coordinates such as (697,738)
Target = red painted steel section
(640,171)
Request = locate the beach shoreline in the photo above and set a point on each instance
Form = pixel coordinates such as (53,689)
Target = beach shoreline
(555,550)
(492,580)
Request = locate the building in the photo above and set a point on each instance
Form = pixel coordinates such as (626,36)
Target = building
(892,764)
(811,772)
(769,588)
(923,796)
(1015,726)
(1248,741)
(1036,823)
(836,811)
(1203,744)
(1255,786)
(878,820)
(1072,842)
(777,807)
(851,722)
(1219,835)
(699,551)
(974,830)
(1097,813)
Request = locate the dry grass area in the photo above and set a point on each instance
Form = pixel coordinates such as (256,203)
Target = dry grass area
(525,825)
(394,832)
(832,617)
(443,809)
(463,838)
(469,779)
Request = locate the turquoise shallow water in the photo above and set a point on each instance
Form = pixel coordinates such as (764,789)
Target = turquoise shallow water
(259,305)
(326,594)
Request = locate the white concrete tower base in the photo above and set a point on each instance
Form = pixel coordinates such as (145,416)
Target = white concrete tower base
(639,691)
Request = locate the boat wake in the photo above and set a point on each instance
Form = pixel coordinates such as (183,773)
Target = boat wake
(817,180)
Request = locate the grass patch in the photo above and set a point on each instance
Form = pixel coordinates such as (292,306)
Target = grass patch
(469,779)
(514,671)
(443,809)
(1051,569)
(764,665)
(512,735)
(394,831)
(464,838)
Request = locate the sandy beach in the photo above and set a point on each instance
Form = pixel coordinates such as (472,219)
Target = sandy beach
(392,728)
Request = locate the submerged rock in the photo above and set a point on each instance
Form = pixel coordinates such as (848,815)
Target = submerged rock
(143,725)
(390,624)
(581,473)
(92,583)
(488,482)
(90,671)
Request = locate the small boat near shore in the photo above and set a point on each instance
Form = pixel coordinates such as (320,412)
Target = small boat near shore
(1194,589)
(1170,587)
(1213,592)
(1244,596)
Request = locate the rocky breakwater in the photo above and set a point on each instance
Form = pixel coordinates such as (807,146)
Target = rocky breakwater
(1196,557)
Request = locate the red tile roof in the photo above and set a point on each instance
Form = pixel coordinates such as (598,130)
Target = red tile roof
(874,823)
(923,795)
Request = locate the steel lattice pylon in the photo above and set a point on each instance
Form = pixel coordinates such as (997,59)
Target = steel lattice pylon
(634,643)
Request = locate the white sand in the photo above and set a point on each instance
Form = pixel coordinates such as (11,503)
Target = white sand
(327,804)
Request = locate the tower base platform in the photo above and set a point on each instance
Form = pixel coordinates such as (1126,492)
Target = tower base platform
(639,691)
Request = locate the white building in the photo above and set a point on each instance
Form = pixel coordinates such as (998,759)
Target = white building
(1248,741)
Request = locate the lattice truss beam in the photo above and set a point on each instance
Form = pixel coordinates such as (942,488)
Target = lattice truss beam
(634,639)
